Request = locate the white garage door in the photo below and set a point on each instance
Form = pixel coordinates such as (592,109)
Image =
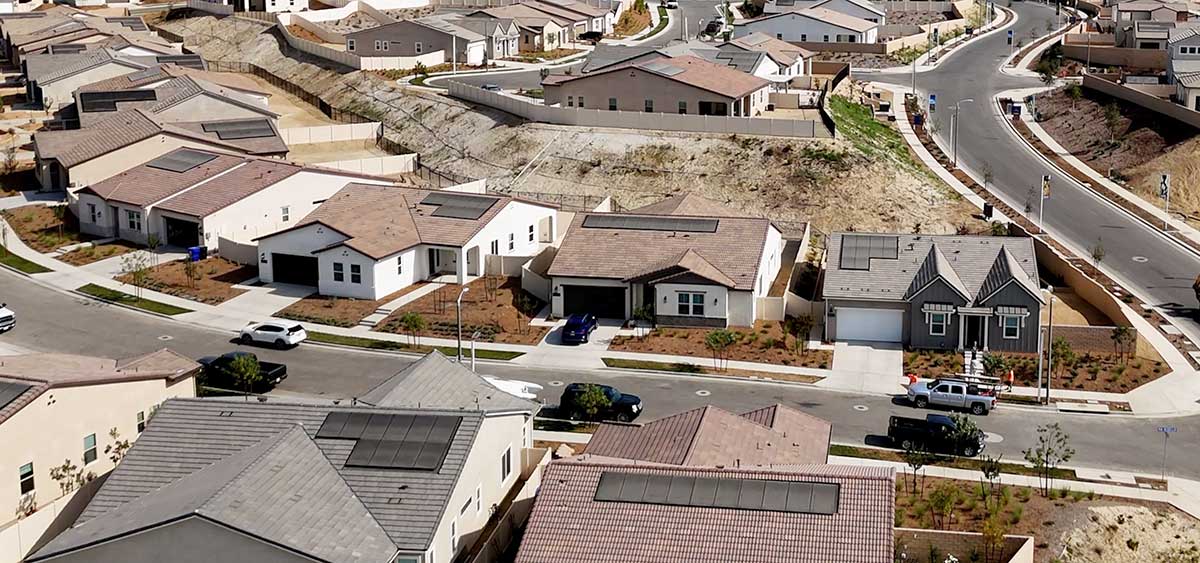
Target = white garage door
(874,325)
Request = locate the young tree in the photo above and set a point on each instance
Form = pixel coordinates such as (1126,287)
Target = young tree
(916,457)
(990,468)
(591,402)
(993,533)
(1112,120)
(420,69)
(1097,253)
(116,450)
(717,341)
(1074,92)
(153,243)
(136,266)
(1053,448)
(942,500)
(1123,339)
(1062,354)
(799,328)
(643,316)
(246,373)
(60,215)
(414,324)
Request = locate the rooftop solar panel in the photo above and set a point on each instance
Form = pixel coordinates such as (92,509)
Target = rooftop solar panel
(9,391)
(132,22)
(802,497)
(242,129)
(728,491)
(332,427)
(858,250)
(393,441)
(107,101)
(188,61)
(459,206)
(651,223)
(181,160)
(377,426)
(384,453)
(362,453)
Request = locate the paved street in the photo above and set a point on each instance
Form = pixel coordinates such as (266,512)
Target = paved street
(52,321)
(1158,269)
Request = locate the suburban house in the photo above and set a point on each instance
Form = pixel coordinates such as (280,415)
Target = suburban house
(170,99)
(1128,18)
(862,9)
(56,407)
(689,261)
(410,38)
(812,25)
(80,157)
(368,241)
(540,30)
(194,197)
(592,509)
(789,59)
(502,37)
(599,19)
(52,78)
(78,30)
(1183,65)
(711,436)
(304,480)
(941,292)
(684,85)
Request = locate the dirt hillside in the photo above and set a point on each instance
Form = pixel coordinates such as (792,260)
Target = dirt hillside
(835,184)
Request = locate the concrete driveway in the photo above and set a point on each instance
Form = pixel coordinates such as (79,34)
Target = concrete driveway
(551,349)
(875,367)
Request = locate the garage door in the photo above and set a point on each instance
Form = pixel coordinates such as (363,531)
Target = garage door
(182,233)
(874,325)
(290,268)
(604,302)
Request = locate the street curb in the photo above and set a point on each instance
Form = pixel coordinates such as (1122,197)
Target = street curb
(401,352)
(725,378)
(122,305)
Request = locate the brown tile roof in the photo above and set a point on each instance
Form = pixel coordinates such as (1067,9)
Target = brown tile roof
(49,371)
(839,19)
(783,52)
(693,71)
(735,249)
(711,436)
(272,145)
(169,71)
(580,7)
(144,185)
(231,187)
(382,220)
(688,262)
(689,204)
(568,525)
(527,15)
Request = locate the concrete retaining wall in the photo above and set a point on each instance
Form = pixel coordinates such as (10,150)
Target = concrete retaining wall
(1157,105)
(915,544)
(330,133)
(380,165)
(1118,56)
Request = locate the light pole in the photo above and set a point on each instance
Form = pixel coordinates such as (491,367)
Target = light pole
(954,129)
(1050,356)
(474,337)
(458,319)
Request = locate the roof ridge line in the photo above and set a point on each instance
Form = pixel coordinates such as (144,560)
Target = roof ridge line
(276,439)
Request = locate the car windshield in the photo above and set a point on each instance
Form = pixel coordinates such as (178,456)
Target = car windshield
(575,321)
(613,394)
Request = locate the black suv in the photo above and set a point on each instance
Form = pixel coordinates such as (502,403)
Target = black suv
(936,433)
(622,407)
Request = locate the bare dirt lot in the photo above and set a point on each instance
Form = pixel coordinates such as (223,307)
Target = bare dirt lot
(211,281)
(838,184)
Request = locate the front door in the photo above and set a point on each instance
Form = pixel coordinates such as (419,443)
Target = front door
(974,333)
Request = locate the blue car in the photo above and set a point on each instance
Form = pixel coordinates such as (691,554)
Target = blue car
(578,328)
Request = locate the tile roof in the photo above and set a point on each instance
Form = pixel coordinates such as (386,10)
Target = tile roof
(1188,79)
(70,65)
(605,55)
(735,249)
(690,204)
(568,525)
(143,185)
(49,371)
(229,188)
(580,7)
(436,382)
(970,257)
(380,221)
(526,15)
(696,72)
(820,14)
(1183,31)
(689,261)
(864,4)
(936,267)
(781,51)
(710,436)
(201,443)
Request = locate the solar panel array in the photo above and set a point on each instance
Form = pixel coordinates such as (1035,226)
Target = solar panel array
(459,206)
(189,61)
(665,69)
(393,441)
(181,160)
(858,250)
(651,223)
(802,497)
(241,129)
(132,22)
(11,390)
(107,101)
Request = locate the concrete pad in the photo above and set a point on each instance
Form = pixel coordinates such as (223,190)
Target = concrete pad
(1090,408)
(876,359)
(1106,475)
(265,301)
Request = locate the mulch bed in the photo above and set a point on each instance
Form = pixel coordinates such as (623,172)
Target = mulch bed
(213,284)
(39,228)
(1090,372)
(98,252)
(500,315)
(765,343)
(337,311)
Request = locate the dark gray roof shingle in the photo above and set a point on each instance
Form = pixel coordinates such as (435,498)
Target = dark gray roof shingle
(436,382)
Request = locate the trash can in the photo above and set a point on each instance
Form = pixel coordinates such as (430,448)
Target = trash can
(197,253)
(918,119)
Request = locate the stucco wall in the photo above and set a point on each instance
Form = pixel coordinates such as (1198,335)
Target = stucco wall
(300,242)
(716,299)
(60,91)
(632,88)
(796,27)
(770,262)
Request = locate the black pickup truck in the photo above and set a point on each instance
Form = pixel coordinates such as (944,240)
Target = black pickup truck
(936,432)
(217,372)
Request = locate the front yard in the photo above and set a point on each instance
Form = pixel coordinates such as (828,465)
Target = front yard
(97,252)
(496,307)
(209,281)
(1079,371)
(765,342)
(42,230)
(337,311)
(539,56)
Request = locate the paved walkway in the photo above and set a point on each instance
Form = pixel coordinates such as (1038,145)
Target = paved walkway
(385,310)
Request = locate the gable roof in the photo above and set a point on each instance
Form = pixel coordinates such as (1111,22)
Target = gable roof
(1005,270)
(578,7)
(568,524)
(864,4)
(253,176)
(435,23)
(175,91)
(784,53)
(167,71)
(605,55)
(69,65)
(825,15)
(936,267)
(143,185)
(711,436)
(1182,31)
(189,435)
(526,15)
(692,71)
(436,382)
(971,258)
(689,204)
(688,262)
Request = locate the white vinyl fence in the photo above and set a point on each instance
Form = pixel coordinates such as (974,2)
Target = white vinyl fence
(397,164)
(805,128)
(330,133)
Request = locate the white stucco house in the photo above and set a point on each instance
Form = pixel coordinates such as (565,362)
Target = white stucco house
(863,9)
(688,260)
(812,25)
(1183,65)
(368,241)
(193,197)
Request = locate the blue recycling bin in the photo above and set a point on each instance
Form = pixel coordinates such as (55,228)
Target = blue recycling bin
(196,253)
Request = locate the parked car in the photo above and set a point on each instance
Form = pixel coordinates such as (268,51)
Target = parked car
(592,37)
(622,407)
(275,333)
(8,319)
(491,87)
(671,4)
(218,372)
(954,393)
(579,328)
(936,433)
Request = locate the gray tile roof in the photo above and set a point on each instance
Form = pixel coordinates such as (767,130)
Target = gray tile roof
(436,382)
(70,65)
(199,444)
(936,266)
(971,258)
(604,56)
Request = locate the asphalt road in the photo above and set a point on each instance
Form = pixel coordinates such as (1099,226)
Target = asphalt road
(50,321)
(1156,268)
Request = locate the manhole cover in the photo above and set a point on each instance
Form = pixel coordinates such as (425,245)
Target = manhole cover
(1140,259)
(555,383)
(704,392)
(861,408)
(992,438)
(166,337)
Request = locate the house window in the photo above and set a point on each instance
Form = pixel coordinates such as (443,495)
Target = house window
(417,47)
(89,448)
(355,273)
(825,38)
(399,264)
(92,211)
(496,247)
(1011,326)
(580,101)
(691,304)
(349,44)
(531,233)
(512,241)
(570,101)
(339,272)
(133,220)
(937,324)
(505,464)
(682,107)
(26,474)
(285,213)
(466,506)
(141,421)
(779,36)
(453,536)
(386,44)
(804,37)
(378,45)
(649,106)
(612,104)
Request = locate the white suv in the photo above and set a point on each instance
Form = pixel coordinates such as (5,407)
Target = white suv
(279,334)
(8,319)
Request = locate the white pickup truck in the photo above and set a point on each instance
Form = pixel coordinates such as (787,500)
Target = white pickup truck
(951,392)
(8,319)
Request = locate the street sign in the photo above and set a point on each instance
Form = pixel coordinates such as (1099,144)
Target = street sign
(1166,432)
(1016,111)
(1010,37)
(932,102)
(1164,186)
(1045,186)
(1167,429)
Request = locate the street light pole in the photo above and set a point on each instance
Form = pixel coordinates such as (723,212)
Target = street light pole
(458,319)
(474,337)
(954,129)
(1050,343)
